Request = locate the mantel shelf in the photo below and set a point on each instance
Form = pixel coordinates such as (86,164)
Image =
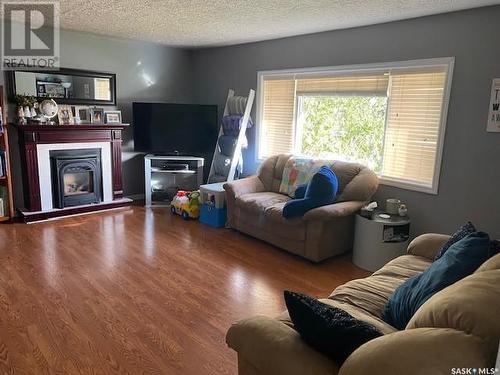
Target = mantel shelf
(82,127)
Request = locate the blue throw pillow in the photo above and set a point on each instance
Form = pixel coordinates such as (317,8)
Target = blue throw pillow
(320,191)
(463,231)
(459,261)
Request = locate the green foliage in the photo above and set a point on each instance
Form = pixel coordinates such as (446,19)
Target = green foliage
(24,100)
(345,127)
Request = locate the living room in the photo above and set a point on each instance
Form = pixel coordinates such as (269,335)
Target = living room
(372,101)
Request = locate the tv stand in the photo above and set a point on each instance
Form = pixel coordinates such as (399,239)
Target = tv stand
(165,175)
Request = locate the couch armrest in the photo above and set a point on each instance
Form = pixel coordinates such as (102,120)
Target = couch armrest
(275,348)
(247,185)
(334,210)
(427,245)
(418,351)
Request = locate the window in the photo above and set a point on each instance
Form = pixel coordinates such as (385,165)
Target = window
(102,89)
(390,117)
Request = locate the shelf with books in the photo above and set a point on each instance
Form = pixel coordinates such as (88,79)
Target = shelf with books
(7,202)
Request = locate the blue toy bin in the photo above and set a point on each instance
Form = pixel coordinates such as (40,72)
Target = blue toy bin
(215,217)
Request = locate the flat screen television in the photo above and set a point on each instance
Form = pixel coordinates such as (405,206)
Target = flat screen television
(175,129)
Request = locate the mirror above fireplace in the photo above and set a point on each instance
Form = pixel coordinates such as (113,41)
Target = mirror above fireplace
(65,86)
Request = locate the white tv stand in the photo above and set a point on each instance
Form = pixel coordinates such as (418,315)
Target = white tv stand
(164,175)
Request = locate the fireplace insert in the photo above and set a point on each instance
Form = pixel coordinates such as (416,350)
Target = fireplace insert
(76,177)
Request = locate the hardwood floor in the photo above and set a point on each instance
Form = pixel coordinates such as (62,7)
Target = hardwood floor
(139,291)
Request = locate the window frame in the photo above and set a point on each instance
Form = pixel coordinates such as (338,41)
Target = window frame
(385,67)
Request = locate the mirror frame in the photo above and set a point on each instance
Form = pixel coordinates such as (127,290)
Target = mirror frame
(70,72)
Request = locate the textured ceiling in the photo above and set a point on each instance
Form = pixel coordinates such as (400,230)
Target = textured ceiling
(197,23)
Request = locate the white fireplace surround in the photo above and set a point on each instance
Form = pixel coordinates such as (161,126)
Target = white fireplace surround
(44,169)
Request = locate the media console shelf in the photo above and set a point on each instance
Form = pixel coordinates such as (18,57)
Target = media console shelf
(165,175)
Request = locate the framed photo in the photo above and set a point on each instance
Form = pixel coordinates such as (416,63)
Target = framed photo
(97,115)
(65,115)
(113,117)
(82,114)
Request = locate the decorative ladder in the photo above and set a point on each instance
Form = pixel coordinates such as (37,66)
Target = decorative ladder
(235,158)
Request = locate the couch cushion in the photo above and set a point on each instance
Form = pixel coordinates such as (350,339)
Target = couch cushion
(258,202)
(491,264)
(371,293)
(459,261)
(356,182)
(470,305)
(271,171)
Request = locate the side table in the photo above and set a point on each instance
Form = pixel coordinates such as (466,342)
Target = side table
(378,240)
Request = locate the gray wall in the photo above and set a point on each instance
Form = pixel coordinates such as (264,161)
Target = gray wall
(470,176)
(134,63)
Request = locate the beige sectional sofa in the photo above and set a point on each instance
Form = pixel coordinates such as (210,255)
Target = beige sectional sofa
(458,327)
(255,205)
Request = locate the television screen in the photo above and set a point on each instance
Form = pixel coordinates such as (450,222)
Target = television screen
(169,129)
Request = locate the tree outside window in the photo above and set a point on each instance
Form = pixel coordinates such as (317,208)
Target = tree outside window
(349,128)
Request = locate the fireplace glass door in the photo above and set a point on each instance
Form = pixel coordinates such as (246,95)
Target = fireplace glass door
(76,177)
(78,182)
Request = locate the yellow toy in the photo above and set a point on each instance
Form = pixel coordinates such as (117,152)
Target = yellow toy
(186,204)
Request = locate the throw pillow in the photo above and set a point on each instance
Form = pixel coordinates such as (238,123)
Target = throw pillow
(328,329)
(298,171)
(321,190)
(460,260)
(463,231)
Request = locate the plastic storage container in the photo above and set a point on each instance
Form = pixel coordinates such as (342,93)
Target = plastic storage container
(213,211)
(215,217)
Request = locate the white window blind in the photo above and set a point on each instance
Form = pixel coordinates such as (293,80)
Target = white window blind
(413,125)
(345,85)
(277,125)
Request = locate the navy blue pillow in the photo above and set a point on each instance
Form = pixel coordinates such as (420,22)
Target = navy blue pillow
(320,191)
(463,231)
(328,329)
(459,261)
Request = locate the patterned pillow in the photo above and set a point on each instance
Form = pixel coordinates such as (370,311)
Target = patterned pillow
(298,171)
(462,232)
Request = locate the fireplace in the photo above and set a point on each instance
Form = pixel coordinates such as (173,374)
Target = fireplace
(76,177)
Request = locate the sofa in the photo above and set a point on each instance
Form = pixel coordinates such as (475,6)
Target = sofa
(255,205)
(458,327)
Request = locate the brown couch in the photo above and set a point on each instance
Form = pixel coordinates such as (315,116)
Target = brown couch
(458,327)
(254,206)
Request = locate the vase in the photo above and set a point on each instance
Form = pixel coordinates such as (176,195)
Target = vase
(20,115)
(33,112)
(27,112)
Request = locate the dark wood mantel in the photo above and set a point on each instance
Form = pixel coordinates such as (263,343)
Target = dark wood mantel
(31,135)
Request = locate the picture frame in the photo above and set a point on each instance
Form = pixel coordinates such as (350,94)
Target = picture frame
(82,114)
(113,117)
(65,115)
(96,115)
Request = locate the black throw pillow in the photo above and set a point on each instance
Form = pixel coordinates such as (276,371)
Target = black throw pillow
(329,330)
